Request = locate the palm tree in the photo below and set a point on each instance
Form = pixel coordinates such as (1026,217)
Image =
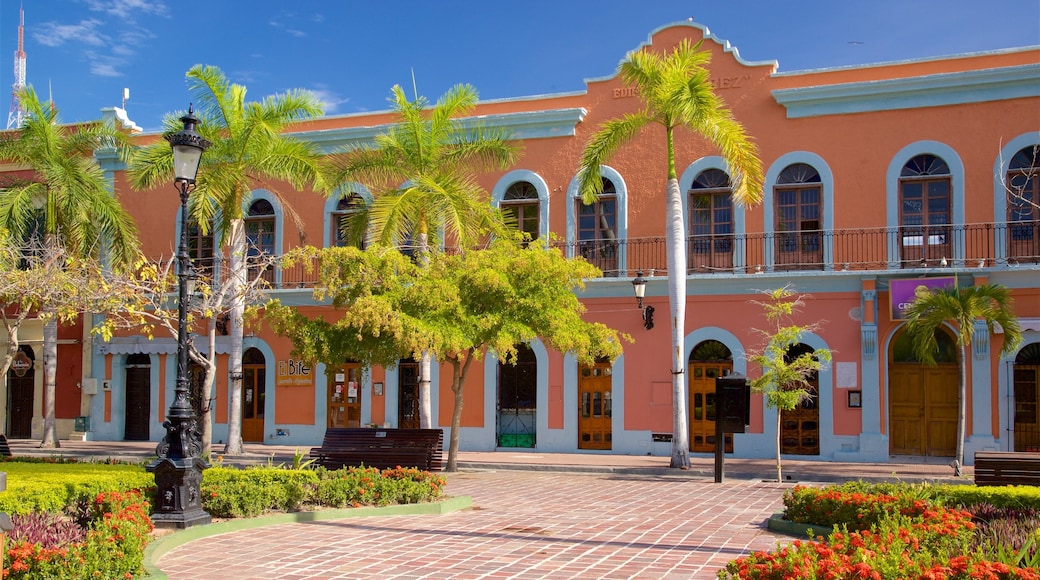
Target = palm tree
(421,176)
(676,91)
(988,303)
(248,151)
(66,203)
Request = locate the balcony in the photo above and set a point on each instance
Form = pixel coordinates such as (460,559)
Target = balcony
(868,249)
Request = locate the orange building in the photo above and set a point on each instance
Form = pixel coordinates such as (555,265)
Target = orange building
(879,178)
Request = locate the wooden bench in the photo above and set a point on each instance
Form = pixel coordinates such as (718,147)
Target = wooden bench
(381,448)
(1007,468)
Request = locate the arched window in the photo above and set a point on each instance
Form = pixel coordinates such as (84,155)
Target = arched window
(341,234)
(201,248)
(520,203)
(925,211)
(1023,190)
(797,196)
(254,394)
(260,231)
(597,230)
(711,222)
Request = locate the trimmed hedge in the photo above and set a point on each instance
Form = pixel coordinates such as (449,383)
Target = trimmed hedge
(50,487)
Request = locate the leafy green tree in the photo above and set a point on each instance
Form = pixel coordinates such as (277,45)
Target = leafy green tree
(786,376)
(458,307)
(989,304)
(676,92)
(62,204)
(421,173)
(248,151)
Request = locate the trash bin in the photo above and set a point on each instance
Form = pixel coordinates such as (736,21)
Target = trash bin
(82,424)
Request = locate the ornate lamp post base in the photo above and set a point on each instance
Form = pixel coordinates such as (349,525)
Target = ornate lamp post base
(178,483)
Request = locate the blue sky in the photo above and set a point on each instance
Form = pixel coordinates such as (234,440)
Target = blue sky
(351,52)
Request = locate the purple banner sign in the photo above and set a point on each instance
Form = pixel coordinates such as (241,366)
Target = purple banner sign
(901,293)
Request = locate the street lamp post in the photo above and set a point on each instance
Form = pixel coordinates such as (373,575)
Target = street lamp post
(178,469)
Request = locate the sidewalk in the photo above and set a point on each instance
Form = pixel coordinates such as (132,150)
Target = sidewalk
(901,468)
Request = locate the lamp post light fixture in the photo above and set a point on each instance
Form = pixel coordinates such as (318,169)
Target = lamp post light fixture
(639,286)
(178,468)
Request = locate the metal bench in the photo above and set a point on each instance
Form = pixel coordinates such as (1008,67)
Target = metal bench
(1007,468)
(381,448)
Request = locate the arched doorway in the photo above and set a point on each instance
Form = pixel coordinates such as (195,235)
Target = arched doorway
(408,394)
(595,406)
(1027,412)
(517,398)
(800,427)
(21,386)
(254,395)
(709,360)
(344,396)
(923,399)
(138,384)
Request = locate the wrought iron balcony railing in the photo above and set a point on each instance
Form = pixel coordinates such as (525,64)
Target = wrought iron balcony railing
(990,245)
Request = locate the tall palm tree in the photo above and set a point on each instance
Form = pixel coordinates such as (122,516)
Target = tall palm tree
(65,202)
(421,174)
(247,151)
(988,303)
(676,92)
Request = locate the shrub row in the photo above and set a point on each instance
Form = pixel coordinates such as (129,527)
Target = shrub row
(34,486)
(880,532)
(119,528)
(233,493)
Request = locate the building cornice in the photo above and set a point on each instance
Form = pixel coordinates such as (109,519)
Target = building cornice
(523,125)
(936,90)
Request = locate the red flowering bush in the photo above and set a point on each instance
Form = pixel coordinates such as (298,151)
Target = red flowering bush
(906,538)
(113,548)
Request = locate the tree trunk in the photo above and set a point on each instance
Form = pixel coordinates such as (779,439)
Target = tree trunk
(209,362)
(12,345)
(779,476)
(676,260)
(457,382)
(50,370)
(962,404)
(237,270)
(422,243)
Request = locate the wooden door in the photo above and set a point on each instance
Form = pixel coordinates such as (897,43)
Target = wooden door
(254,396)
(595,406)
(408,395)
(136,424)
(923,410)
(1027,411)
(702,404)
(344,396)
(20,391)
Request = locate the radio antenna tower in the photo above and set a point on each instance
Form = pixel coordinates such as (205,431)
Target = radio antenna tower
(17,114)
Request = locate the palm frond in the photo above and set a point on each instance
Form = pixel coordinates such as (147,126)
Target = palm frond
(614,134)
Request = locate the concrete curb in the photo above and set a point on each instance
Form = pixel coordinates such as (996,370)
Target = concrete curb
(160,547)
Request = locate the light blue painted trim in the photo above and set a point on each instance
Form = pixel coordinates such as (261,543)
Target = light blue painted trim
(573,197)
(686,184)
(959,88)
(270,366)
(895,167)
(1000,193)
(826,203)
(981,387)
(279,223)
(1004,380)
(333,200)
(705,33)
(499,192)
(523,125)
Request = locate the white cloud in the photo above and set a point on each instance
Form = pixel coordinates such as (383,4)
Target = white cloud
(330,101)
(55,34)
(125,9)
